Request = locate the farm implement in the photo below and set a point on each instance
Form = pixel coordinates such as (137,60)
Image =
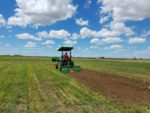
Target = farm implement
(55,59)
(66,64)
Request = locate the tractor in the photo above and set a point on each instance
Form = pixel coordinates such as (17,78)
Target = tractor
(66,64)
(55,59)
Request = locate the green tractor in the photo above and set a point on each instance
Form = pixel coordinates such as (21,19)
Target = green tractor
(66,64)
(55,59)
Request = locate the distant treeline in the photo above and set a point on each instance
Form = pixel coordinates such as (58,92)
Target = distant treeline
(82,57)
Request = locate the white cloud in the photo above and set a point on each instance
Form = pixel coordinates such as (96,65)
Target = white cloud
(60,34)
(88,3)
(49,46)
(120,28)
(112,40)
(116,47)
(106,33)
(143,52)
(30,45)
(41,12)
(122,11)
(96,41)
(2,21)
(104,19)
(20,19)
(81,22)
(94,47)
(2,36)
(49,42)
(43,34)
(126,9)
(136,40)
(75,36)
(146,34)
(27,36)
(69,42)
(86,32)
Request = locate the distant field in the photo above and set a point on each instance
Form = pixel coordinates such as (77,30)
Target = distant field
(131,68)
(33,85)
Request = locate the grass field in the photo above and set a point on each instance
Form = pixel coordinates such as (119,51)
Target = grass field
(33,85)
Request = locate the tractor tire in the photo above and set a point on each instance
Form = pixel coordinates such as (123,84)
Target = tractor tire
(56,66)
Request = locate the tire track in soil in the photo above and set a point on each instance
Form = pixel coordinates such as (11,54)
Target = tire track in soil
(121,89)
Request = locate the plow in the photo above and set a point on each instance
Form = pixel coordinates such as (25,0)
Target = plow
(66,64)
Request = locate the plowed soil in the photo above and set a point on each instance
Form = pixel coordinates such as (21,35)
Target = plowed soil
(121,89)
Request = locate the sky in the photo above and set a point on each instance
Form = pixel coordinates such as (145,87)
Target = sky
(95,28)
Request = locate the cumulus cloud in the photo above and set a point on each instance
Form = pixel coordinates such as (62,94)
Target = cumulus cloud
(19,19)
(43,34)
(60,34)
(96,41)
(2,21)
(86,32)
(27,36)
(136,40)
(41,12)
(49,42)
(126,9)
(69,42)
(112,40)
(105,18)
(94,47)
(123,10)
(30,45)
(75,36)
(120,28)
(81,22)
(116,47)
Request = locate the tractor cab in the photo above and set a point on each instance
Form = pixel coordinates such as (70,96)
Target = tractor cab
(66,64)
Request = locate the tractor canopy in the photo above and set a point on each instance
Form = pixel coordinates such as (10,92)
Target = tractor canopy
(63,48)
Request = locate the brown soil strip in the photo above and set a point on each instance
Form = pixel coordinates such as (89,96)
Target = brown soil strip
(121,89)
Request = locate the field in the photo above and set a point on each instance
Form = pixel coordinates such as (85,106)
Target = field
(33,85)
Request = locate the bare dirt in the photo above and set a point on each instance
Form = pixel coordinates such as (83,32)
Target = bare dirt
(121,89)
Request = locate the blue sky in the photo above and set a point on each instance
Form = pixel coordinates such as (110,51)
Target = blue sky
(118,28)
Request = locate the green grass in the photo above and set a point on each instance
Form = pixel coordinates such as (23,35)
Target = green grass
(33,85)
(129,68)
